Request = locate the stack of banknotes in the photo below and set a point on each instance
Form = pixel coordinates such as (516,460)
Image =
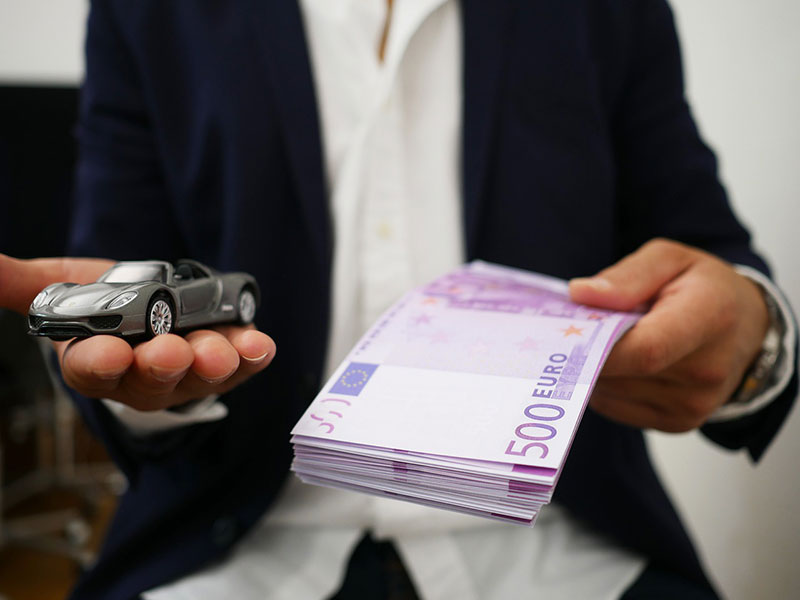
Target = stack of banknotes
(465,395)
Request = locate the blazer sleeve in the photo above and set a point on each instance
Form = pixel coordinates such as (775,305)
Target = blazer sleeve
(668,185)
(122,202)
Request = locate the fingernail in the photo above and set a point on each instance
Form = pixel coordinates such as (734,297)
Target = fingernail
(215,380)
(257,359)
(109,375)
(166,375)
(598,283)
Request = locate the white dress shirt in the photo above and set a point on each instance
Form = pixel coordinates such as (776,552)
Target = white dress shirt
(391,136)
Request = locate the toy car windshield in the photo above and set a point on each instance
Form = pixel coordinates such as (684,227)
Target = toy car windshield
(133,273)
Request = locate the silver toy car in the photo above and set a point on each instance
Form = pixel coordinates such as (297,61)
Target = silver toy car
(144,299)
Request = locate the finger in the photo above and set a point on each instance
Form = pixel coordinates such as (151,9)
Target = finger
(255,348)
(256,351)
(637,278)
(21,280)
(215,358)
(158,366)
(631,401)
(215,361)
(95,366)
(655,404)
(677,325)
(633,414)
(659,340)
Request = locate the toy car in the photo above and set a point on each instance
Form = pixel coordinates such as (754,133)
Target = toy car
(144,299)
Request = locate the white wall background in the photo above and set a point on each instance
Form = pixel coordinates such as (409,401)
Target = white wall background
(743,71)
(41,41)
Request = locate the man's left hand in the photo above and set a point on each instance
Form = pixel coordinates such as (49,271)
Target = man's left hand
(687,355)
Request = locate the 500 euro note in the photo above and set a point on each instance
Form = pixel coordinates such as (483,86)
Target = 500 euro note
(466,394)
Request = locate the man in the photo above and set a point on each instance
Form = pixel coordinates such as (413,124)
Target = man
(557,133)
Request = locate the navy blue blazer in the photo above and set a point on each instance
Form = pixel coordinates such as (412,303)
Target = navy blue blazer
(199,136)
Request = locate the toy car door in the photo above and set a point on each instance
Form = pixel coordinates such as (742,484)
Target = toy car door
(198,291)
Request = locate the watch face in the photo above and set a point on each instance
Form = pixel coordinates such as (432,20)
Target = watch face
(760,373)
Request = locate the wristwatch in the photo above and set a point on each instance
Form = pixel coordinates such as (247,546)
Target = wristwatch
(759,375)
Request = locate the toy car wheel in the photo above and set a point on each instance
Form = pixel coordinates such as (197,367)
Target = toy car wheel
(246,306)
(160,316)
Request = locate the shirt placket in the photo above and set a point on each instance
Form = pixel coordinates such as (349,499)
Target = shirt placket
(385,257)
(385,253)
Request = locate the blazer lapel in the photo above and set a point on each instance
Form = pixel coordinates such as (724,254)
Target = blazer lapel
(485,28)
(278,28)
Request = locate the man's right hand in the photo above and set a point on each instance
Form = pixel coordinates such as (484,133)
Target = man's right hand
(165,371)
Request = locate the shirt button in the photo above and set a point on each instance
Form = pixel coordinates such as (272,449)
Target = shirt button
(384,231)
(223,531)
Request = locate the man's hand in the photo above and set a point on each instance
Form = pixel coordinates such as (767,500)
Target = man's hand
(165,371)
(687,355)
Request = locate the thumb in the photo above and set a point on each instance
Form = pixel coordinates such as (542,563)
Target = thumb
(21,280)
(635,279)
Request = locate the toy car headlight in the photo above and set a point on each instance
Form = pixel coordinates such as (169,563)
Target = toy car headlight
(122,300)
(40,300)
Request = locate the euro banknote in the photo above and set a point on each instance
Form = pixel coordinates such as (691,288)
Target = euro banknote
(465,395)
